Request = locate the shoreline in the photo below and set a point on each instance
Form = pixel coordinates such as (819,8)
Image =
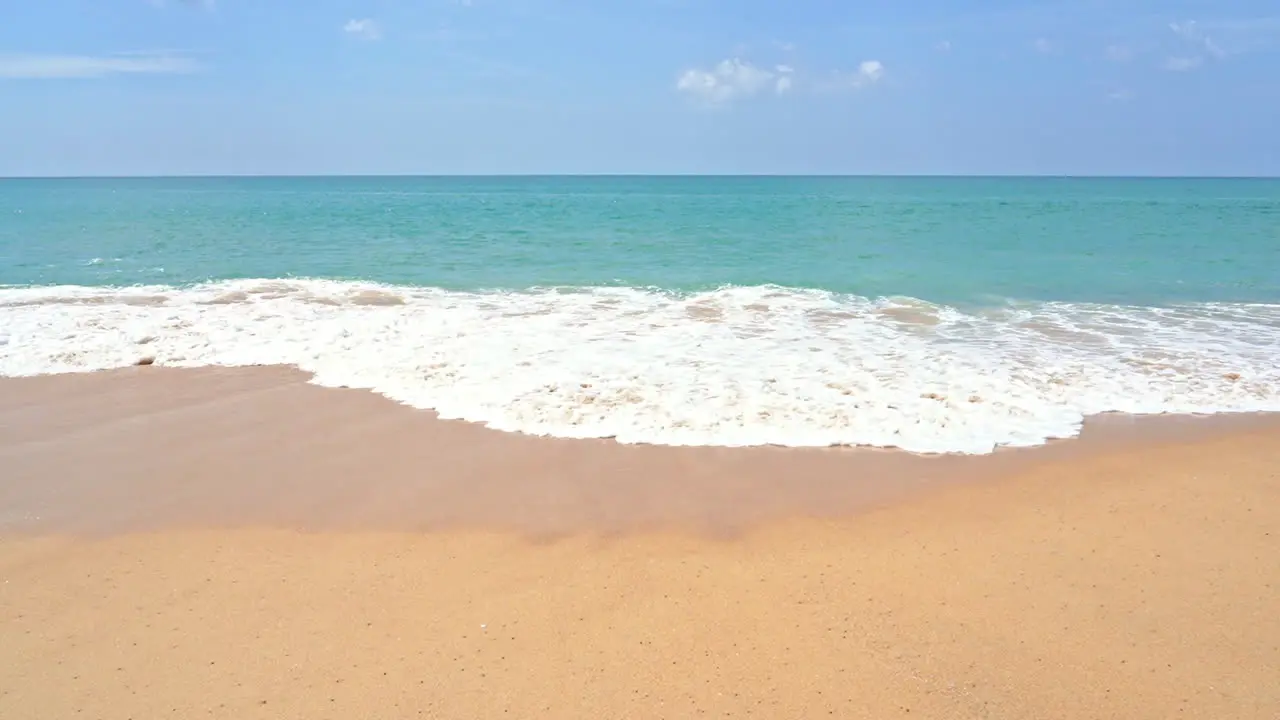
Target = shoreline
(262,446)
(737,366)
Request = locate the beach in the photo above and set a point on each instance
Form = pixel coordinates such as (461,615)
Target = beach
(238,543)
(639,360)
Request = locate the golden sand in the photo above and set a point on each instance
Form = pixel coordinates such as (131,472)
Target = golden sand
(237,544)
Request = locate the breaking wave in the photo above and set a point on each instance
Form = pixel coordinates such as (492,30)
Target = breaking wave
(730,367)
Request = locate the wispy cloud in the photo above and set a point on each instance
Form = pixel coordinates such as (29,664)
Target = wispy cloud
(784,80)
(1194,34)
(868,73)
(729,80)
(1043,46)
(1239,36)
(944,46)
(55,67)
(736,79)
(1197,46)
(1186,45)
(365,29)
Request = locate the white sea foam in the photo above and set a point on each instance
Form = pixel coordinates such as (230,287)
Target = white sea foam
(736,366)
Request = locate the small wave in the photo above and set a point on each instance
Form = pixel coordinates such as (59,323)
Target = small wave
(733,366)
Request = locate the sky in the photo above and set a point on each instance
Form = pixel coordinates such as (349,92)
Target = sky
(283,87)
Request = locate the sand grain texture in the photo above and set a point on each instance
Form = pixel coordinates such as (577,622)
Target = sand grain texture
(1131,581)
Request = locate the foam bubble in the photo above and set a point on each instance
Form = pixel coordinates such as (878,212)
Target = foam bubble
(735,366)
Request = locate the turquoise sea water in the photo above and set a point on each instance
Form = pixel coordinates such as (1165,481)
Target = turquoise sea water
(701,310)
(943,240)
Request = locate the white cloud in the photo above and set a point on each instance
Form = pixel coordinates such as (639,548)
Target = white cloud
(727,81)
(1191,32)
(870,72)
(50,67)
(1183,64)
(1043,46)
(1120,95)
(1193,44)
(944,46)
(736,79)
(365,29)
(784,80)
(1239,36)
(1188,29)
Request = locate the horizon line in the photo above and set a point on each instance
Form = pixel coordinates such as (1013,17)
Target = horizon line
(284,176)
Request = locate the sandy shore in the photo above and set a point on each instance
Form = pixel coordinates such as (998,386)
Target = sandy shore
(238,544)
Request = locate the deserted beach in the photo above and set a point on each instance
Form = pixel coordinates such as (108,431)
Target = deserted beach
(666,359)
(239,544)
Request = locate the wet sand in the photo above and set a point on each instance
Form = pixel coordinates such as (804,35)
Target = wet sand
(238,544)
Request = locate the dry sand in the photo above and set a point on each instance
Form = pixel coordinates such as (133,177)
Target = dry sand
(237,544)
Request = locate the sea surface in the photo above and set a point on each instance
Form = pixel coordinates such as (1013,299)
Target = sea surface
(929,314)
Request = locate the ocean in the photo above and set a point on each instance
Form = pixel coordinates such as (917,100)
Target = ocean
(936,315)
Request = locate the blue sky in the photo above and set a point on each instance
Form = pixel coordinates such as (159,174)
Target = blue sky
(125,87)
